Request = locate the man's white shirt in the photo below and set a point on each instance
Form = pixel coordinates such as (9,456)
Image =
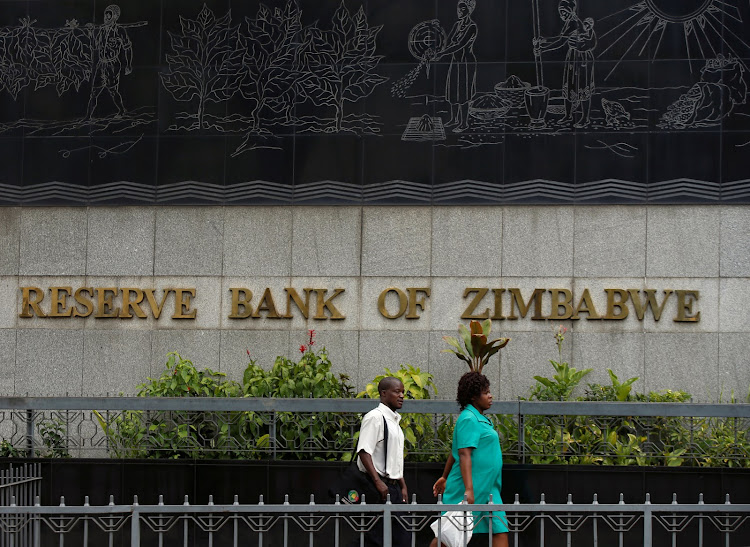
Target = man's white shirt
(371,441)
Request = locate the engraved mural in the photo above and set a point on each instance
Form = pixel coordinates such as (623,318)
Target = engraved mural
(291,100)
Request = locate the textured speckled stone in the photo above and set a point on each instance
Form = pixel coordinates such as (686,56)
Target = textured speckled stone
(620,352)
(538,241)
(735,305)
(120,241)
(189,241)
(682,242)
(53,241)
(688,362)
(49,362)
(9,301)
(263,346)
(396,241)
(390,349)
(115,361)
(456,248)
(7,361)
(326,241)
(735,234)
(258,241)
(10,230)
(202,347)
(610,241)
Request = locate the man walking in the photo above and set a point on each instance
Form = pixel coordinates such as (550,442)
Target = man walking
(385,470)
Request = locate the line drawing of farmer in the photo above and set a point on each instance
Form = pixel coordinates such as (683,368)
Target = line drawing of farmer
(578,73)
(111,46)
(461,82)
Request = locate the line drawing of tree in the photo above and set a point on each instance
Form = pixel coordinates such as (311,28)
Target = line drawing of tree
(205,61)
(341,65)
(71,54)
(271,60)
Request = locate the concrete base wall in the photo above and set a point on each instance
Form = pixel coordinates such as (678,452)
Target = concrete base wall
(365,251)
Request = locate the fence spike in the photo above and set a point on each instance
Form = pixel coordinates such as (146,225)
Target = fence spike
(62,501)
(135,499)
(286,499)
(338,499)
(466,499)
(260,500)
(596,499)
(161,499)
(13,501)
(413,498)
(111,499)
(648,498)
(363,499)
(86,501)
(440,498)
(542,502)
(387,499)
(674,498)
(37,501)
(517,500)
(622,498)
(727,502)
(570,499)
(236,500)
(700,498)
(210,499)
(186,502)
(312,499)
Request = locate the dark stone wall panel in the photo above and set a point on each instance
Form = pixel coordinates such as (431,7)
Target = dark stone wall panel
(371,101)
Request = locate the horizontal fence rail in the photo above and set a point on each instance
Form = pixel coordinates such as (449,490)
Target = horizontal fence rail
(608,433)
(539,524)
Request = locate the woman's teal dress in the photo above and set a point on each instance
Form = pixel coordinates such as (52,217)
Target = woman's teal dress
(473,430)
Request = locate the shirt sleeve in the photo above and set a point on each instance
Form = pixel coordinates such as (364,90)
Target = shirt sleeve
(370,432)
(467,433)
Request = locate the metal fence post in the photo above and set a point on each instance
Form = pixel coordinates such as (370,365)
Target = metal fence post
(135,525)
(387,528)
(647,523)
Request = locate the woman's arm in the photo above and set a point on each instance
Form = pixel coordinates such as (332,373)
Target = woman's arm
(439,486)
(466,40)
(464,461)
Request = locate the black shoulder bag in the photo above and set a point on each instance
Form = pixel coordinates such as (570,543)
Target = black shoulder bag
(353,483)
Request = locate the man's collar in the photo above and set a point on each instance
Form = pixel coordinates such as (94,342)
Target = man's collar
(388,413)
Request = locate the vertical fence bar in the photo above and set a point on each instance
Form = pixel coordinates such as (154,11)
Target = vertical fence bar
(541,524)
(387,529)
(135,525)
(336,524)
(647,523)
(595,521)
(185,525)
(260,520)
(37,530)
(235,522)
(700,522)
(85,524)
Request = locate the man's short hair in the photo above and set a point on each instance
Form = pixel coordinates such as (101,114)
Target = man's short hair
(115,9)
(387,382)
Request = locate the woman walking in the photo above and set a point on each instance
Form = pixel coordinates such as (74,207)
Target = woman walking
(474,468)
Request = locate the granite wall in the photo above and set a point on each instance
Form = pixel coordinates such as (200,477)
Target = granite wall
(366,250)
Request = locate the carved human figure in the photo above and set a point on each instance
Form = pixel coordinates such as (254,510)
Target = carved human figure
(112,49)
(460,84)
(578,72)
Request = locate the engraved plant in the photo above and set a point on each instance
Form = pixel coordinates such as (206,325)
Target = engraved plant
(477,348)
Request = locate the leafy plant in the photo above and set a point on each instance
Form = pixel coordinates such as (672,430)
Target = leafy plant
(417,384)
(476,350)
(204,60)
(181,379)
(618,391)
(564,381)
(54,439)
(341,62)
(7,450)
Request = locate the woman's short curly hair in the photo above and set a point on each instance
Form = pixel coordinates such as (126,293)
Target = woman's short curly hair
(470,386)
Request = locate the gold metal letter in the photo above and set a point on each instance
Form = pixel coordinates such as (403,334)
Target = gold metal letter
(617,305)
(156,308)
(326,304)
(469,311)
(685,306)
(85,302)
(498,304)
(105,305)
(402,303)
(127,304)
(28,305)
(266,304)
(59,305)
(241,302)
(182,304)
(656,309)
(586,304)
(523,308)
(414,303)
(293,296)
(566,304)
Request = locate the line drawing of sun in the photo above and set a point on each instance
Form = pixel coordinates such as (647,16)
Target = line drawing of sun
(709,27)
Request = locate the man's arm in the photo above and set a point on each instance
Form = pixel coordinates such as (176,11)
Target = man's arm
(366,460)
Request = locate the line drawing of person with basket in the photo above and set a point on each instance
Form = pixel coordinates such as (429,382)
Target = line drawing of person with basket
(578,73)
(461,82)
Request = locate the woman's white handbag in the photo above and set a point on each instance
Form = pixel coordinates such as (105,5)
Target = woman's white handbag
(455,528)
